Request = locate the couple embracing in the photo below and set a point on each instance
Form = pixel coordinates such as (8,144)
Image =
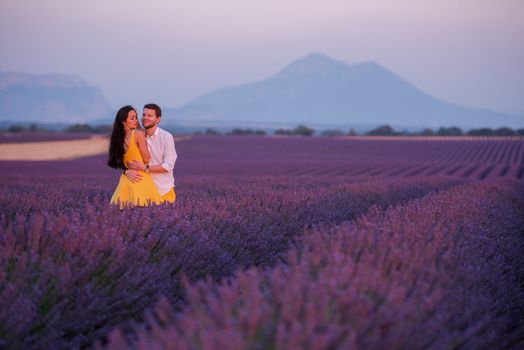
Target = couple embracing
(146,158)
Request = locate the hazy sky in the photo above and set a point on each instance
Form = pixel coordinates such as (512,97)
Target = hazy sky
(465,51)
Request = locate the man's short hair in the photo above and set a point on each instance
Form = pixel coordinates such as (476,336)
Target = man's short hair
(155,107)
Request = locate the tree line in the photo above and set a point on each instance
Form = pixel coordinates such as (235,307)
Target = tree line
(74,128)
(299,130)
(387,130)
(384,130)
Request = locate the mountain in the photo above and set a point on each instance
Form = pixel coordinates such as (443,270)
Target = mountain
(50,98)
(319,90)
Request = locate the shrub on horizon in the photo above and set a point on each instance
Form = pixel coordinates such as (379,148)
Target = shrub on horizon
(384,130)
(427,132)
(332,133)
(451,131)
(505,131)
(299,130)
(16,128)
(238,131)
(352,132)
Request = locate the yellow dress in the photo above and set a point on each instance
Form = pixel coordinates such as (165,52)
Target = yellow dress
(141,193)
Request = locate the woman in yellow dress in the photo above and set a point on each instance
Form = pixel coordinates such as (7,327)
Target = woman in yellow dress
(127,143)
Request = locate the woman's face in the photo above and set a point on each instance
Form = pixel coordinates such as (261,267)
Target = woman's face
(131,122)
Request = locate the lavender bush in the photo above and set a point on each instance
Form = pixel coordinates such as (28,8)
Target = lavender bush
(73,269)
(443,271)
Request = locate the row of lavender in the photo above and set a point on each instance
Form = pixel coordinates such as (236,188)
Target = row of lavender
(72,268)
(444,271)
(354,151)
(270,156)
(352,158)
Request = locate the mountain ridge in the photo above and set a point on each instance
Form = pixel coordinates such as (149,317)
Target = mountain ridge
(314,90)
(50,98)
(319,89)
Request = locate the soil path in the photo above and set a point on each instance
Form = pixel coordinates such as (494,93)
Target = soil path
(57,150)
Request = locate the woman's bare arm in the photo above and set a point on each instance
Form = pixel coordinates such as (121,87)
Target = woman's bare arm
(140,139)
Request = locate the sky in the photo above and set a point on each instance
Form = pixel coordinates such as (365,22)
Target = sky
(469,52)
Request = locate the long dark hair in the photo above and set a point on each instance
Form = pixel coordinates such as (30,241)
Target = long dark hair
(116,145)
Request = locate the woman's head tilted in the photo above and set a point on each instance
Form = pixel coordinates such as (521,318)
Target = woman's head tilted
(125,119)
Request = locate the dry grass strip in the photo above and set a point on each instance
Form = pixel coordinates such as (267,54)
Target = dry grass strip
(58,150)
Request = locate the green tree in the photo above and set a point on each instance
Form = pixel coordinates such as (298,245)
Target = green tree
(303,130)
(427,132)
(480,132)
(384,130)
(505,132)
(80,128)
(16,128)
(238,131)
(210,131)
(332,132)
(283,132)
(451,131)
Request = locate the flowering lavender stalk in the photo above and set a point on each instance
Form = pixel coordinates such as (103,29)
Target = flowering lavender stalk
(439,272)
(73,269)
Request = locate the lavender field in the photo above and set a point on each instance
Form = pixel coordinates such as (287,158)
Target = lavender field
(273,243)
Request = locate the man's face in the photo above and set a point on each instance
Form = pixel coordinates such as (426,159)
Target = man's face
(149,118)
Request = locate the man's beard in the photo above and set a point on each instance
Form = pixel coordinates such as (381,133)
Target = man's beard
(149,126)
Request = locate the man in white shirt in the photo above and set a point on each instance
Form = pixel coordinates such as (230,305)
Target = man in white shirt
(161,146)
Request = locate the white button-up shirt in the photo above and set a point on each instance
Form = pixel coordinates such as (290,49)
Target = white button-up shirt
(161,146)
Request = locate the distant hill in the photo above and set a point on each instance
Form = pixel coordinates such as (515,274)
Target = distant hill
(319,90)
(50,98)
